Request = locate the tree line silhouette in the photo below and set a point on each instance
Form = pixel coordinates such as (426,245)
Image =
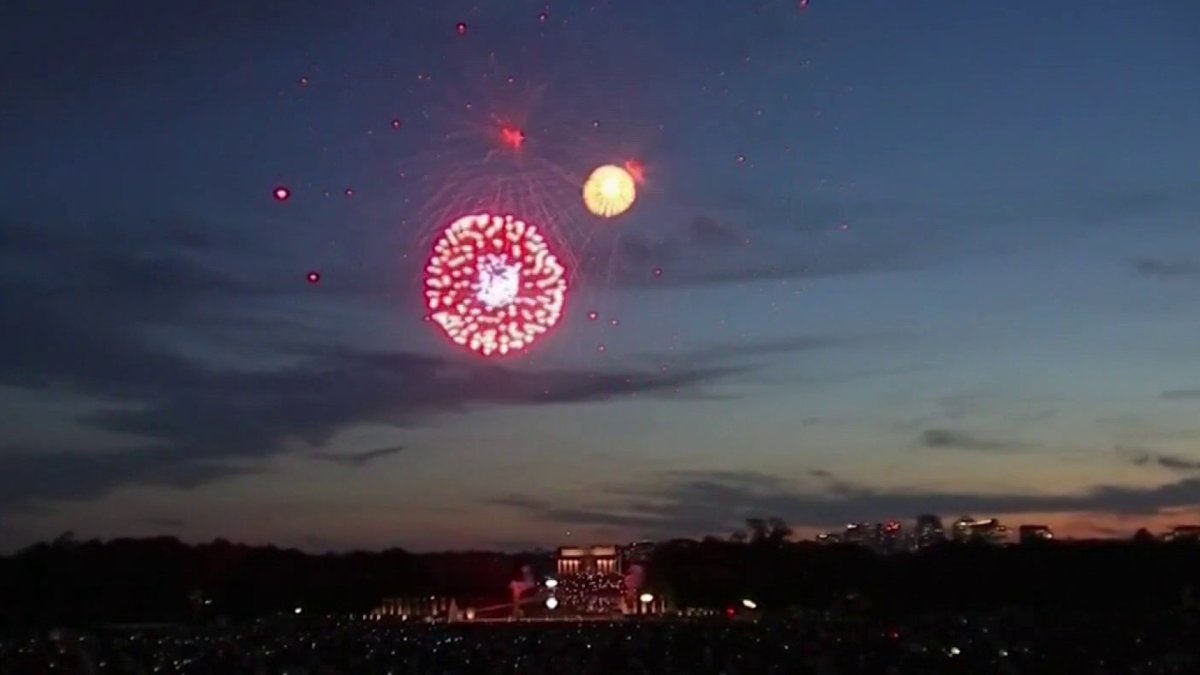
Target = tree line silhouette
(69,582)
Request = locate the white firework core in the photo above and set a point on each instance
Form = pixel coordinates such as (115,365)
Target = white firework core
(499,281)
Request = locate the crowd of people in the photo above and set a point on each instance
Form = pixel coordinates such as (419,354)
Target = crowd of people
(591,593)
(1006,643)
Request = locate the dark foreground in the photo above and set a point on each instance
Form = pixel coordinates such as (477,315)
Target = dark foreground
(975,644)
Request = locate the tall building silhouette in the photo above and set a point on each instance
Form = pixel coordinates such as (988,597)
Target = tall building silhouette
(929,530)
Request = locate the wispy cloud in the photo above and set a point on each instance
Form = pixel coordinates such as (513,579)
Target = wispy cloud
(1168,269)
(952,439)
(697,502)
(1181,395)
(738,351)
(768,244)
(164,523)
(358,459)
(95,310)
(707,251)
(1176,463)
(1142,457)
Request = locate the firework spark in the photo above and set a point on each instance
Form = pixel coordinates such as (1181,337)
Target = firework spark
(609,191)
(493,285)
(512,137)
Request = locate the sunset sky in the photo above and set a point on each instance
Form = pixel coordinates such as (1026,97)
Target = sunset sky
(915,257)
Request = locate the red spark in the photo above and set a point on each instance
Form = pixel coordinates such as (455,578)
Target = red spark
(803,5)
(542,17)
(460,28)
(349,192)
(304,81)
(512,137)
(281,194)
(601,349)
(396,123)
(658,271)
(636,170)
(493,285)
(593,315)
(741,159)
(613,322)
(313,277)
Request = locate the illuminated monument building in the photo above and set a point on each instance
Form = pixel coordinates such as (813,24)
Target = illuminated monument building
(605,580)
(576,560)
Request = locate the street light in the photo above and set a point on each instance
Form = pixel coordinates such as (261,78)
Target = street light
(749,604)
(551,603)
(646,598)
(552,583)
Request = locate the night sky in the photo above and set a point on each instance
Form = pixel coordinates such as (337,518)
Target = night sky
(889,258)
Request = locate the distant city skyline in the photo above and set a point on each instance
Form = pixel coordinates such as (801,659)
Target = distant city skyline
(888,258)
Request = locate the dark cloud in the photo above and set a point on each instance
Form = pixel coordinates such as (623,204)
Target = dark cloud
(517,502)
(1105,203)
(88,300)
(203,424)
(358,459)
(95,312)
(1142,457)
(1181,395)
(164,523)
(27,477)
(515,545)
(1175,463)
(778,263)
(52,54)
(697,503)
(708,231)
(952,439)
(726,353)
(638,249)
(1173,269)
(1136,457)
(707,251)
(810,243)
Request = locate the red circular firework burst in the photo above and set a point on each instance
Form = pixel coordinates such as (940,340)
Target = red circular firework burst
(493,284)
